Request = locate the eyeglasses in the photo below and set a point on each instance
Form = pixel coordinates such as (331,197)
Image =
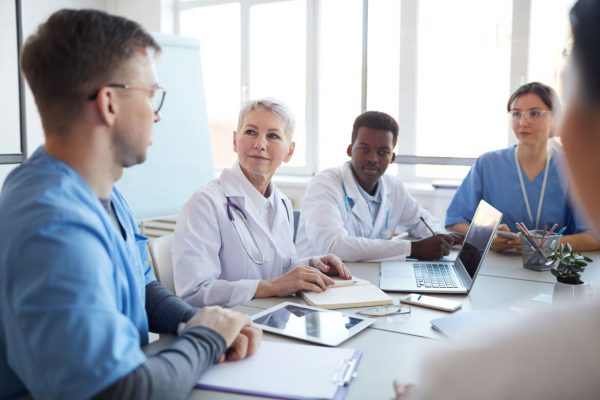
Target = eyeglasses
(158,94)
(530,115)
(384,311)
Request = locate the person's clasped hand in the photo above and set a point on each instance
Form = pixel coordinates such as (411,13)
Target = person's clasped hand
(403,391)
(431,248)
(503,244)
(242,338)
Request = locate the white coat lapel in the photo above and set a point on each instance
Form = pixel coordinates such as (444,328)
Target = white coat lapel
(359,209)
(237,190)
(282,233)
(381,228)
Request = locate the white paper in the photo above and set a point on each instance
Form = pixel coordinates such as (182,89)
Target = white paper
(282,369)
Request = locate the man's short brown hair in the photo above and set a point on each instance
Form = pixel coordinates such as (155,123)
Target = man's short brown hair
(72,55)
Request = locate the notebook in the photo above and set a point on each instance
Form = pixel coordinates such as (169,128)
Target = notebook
(361,293)
(287,371)
(446,277)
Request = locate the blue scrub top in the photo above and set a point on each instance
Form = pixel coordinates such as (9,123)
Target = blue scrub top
(72,290)
(494,178)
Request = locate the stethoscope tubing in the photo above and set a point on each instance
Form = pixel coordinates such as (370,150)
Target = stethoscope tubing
(231,208)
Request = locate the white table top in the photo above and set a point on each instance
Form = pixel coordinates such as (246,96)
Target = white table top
(393,346)
(511,266)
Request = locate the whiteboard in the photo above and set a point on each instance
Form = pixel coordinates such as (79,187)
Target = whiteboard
(12,134)
(180,158)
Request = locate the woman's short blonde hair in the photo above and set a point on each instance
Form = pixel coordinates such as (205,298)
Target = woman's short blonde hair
(272,105)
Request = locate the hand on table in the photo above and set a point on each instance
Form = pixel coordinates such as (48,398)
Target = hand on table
(431,248)
(301,277)
(501,244)
(331,265)
(242,338)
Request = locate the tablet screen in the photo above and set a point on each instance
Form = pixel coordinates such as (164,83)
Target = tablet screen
(323,326)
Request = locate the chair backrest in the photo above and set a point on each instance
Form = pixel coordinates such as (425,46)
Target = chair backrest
(160,251)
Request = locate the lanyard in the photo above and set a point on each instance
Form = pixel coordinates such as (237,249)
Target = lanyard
(542,192)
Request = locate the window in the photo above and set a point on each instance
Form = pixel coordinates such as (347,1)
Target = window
(278,61)
(218,28)
(443,69)
(548,40)
(463,79)
(339,79)
(250,49)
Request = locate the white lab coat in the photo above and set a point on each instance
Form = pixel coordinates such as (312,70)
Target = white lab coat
(335,218)
(210,264)
(550,356)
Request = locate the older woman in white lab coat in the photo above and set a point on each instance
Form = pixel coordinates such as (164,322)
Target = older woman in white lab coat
(234,237)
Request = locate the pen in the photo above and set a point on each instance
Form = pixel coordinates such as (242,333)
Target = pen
(427,225)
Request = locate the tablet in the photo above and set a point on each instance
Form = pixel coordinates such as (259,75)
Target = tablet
(312,324)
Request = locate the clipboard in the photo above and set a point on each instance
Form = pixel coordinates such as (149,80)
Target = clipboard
(287,371)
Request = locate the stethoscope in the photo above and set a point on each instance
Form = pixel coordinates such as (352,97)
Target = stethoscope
(232,208)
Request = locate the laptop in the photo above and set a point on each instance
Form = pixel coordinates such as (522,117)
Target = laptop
(446,277)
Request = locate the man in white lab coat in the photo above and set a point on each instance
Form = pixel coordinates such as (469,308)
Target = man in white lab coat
(358,213)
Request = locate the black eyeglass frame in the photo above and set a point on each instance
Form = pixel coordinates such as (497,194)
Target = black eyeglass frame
(158,90)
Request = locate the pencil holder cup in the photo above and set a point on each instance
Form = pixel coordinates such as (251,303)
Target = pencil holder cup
(536,250)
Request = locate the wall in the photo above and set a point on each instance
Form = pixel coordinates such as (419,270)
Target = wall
(155,15)
(159,16)
(34,13)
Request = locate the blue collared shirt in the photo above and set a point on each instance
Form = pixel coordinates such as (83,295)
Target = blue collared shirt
(373,202)
(72,289)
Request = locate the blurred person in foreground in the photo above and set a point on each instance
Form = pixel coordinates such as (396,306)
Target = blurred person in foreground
(552,355)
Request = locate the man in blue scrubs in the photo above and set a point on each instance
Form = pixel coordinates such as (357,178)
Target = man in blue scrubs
(77,297)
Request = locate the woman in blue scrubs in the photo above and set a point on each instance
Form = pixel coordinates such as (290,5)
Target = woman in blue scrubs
(523,181)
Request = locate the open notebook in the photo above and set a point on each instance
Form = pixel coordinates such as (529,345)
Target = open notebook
(361,293)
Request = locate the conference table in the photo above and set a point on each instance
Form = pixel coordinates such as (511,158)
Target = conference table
(394,346)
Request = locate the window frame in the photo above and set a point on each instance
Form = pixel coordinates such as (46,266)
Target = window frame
(407,90)
(311,101)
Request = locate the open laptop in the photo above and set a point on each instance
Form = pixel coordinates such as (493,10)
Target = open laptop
(446,277)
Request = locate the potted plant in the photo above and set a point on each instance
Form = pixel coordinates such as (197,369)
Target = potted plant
(570,263)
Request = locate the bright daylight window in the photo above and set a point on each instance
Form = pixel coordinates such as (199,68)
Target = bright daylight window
(218,28)
(443,69)
(278,61)
(463,72)
(340,71)
(548,40)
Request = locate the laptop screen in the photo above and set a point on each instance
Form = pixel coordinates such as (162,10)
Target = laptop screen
(479,237)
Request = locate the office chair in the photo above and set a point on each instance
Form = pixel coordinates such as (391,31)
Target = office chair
(160,251)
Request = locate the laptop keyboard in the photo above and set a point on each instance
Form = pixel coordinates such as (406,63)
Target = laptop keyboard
(431,275)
